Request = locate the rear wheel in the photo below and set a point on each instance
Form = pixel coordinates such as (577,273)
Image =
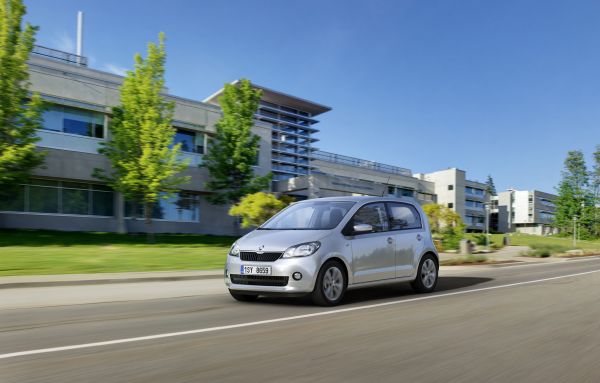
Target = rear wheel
(243,297)
(331,284)
(427,275)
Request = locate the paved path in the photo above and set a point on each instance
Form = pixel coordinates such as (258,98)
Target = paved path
(523,323)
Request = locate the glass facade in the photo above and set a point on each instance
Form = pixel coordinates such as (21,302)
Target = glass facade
(81,122)
(61,197)
(291,139)
(182,206)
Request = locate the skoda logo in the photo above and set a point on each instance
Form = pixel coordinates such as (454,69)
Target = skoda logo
(260,249)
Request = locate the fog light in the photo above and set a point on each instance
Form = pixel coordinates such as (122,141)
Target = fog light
(297,276)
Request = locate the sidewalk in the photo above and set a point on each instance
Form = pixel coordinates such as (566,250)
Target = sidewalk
(105,278)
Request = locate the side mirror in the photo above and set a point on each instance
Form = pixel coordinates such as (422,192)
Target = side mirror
(363,228)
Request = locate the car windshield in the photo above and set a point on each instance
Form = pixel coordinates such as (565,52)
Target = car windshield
(310,215)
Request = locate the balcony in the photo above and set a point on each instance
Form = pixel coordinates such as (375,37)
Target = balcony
(66,141)
(55,54)
(360,163)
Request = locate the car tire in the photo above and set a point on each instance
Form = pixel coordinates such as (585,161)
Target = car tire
(427,275)
(330,285)
(243,297)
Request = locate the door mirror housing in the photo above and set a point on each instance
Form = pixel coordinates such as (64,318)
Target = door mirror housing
(363,228)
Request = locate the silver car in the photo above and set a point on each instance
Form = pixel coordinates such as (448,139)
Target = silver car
(325,246)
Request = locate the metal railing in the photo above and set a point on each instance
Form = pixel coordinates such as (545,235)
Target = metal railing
(353,161)
(55,54)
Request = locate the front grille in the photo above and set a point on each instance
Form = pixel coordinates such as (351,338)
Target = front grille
(258,280)
(255,257)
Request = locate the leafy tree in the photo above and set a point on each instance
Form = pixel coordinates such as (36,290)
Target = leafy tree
(145,164)
(574,197)
(257,208)
(490,187)
(595,181)
(234,149)
(445,224)
(20,113)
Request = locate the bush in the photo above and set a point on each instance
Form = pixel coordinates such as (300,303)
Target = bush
(545,250)
(257,208)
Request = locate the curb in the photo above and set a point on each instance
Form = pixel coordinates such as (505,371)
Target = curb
(10,285)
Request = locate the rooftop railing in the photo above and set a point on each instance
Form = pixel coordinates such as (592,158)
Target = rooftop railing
(55,54)
(353,161)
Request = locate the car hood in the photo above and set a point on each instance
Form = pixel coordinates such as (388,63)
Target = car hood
(279,240)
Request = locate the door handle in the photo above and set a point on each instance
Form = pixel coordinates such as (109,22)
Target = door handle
(390,240)
(419,237)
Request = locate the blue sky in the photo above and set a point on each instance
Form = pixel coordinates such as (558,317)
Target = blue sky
(492,87)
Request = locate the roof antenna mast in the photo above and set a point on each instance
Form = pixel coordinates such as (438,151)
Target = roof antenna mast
(79,36)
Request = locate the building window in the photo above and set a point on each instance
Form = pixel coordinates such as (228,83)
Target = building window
(61,197)
(475,191)
(450,205)
(182,207)
(450,187)
(191,142)
(65,119)
(474,204)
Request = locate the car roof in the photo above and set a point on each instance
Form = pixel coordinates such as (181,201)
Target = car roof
(362,199)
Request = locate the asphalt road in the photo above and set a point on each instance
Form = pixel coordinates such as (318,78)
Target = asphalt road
(532,323)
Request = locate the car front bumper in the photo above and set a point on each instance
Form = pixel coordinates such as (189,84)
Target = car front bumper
(283,267)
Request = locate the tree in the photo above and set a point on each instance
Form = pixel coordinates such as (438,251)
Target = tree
(20,113)
(255,209)
(445,224)
(574,197)
(234,148)
(595,181)
(490,187)
(145,164)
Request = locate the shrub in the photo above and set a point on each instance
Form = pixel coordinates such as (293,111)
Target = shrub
(545,250)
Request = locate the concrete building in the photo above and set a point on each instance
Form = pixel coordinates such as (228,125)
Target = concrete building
(65,196)
(338,175)
(524,211)
(467,198)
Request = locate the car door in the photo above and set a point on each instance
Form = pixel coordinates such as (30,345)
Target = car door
(373,253)
(408,233)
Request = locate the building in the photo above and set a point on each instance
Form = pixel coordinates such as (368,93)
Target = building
(524,211)
(292,130)
(65,196)
(467,198)
(339,175)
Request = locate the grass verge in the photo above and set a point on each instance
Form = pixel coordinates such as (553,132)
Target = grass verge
(36,252)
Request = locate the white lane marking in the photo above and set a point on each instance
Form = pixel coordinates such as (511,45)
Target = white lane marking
(284,319)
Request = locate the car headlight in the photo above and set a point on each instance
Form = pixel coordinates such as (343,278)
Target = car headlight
(302,250)
(235,250)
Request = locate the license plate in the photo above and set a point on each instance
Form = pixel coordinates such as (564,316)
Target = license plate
(255,270)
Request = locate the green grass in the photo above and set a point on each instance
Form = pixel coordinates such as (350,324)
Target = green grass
(563,242)
(543,246)
(31,252)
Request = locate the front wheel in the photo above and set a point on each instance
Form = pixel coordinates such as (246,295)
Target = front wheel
(243,297)
(331,284)
(427,275)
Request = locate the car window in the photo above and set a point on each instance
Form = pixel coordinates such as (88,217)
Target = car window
(403,216)
(373,214)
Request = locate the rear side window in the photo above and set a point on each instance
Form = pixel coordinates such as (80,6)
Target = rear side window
(403,216)
(373,214)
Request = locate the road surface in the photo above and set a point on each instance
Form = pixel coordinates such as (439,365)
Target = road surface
(527,323)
